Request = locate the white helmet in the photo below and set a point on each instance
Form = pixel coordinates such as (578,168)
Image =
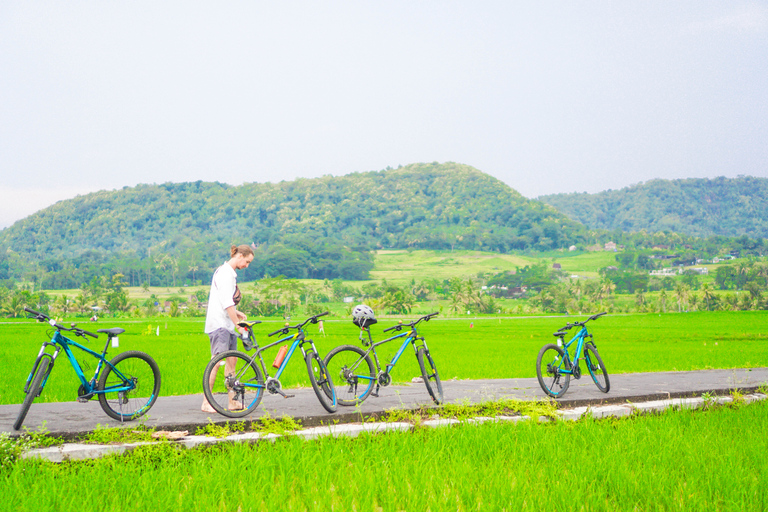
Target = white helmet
(362,316)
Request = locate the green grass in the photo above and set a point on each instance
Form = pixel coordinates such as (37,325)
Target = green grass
(463,348)
(678,460)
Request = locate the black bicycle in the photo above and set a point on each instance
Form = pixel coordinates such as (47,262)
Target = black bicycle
(242,388)
(354,370)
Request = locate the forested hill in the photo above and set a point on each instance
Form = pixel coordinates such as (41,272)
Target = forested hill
(697,207)
(319,228)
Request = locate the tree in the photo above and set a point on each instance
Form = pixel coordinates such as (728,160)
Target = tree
(707,295)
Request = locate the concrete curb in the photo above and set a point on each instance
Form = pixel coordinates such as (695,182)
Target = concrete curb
(79,451)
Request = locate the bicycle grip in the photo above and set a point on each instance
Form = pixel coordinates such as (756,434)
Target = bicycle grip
(398,327)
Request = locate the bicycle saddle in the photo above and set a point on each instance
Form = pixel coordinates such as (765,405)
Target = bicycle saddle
(112,332)
(246,323)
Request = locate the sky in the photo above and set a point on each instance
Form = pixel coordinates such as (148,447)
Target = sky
(547,96)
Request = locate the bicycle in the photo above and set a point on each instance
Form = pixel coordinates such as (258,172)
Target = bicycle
(127,387)
(555,366)
(240,391)
(357,374)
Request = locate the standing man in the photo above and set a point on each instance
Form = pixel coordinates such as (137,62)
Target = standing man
(222,315)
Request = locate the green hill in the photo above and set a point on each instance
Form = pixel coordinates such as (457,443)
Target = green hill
(322,228)
(697,207)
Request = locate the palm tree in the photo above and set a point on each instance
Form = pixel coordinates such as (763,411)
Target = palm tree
(194,268)
(707,294)
(681,291)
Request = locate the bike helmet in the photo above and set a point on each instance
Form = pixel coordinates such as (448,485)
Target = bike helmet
(362,316)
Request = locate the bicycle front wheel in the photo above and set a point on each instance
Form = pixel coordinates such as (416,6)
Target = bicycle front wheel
(430,375)
(353,372)
(549,363)
(596,368)
(237,394)
(321,381)
(129,386)
(33,391)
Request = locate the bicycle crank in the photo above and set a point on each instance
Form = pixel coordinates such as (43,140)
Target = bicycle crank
(576,372)
(384,379)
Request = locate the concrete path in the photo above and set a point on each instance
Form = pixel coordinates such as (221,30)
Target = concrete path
(183,412)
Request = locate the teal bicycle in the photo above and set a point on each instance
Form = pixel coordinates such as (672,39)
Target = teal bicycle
(355,372)
(555,365)
(242,388)
(127,386)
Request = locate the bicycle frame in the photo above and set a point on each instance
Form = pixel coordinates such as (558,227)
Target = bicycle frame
(61,342)
(411,337)
(579,338)
(299,339)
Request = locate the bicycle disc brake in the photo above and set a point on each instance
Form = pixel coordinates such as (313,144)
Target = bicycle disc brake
(350,378)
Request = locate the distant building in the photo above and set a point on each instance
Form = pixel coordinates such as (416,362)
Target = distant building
(610,246)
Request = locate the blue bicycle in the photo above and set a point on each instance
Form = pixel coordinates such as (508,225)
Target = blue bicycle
(242,388)
(127,387)
(356,375)
(555,366)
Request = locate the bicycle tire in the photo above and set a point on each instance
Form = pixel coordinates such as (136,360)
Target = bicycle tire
(144,375)
(245,398)
(351,368)
(33,391)
(430,375)
(321,381)
(597,371)
(548,363)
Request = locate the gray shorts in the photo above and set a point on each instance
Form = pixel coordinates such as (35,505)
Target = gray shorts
(221,341)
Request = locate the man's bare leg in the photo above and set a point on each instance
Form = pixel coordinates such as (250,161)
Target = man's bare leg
(206,407)
(229,368)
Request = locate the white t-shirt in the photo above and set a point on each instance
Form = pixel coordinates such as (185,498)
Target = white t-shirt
(220,298)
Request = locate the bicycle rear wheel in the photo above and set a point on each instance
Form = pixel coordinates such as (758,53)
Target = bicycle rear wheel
(353,373)
(34,390)
(235,395)
(321,381)
(549,363)
(130,386)
(430,375)
(596,368)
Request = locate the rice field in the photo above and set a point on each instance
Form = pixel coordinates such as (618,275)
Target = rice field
(463,348)
(678,460)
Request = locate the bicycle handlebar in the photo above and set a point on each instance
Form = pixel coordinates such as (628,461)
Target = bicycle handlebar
(412,324)
(581,324)
(42,317)
(287,327)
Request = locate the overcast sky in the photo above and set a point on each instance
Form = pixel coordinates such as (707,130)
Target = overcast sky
(547,96)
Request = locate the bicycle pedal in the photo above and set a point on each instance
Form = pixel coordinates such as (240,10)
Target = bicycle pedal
(281,393)
(83,400)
